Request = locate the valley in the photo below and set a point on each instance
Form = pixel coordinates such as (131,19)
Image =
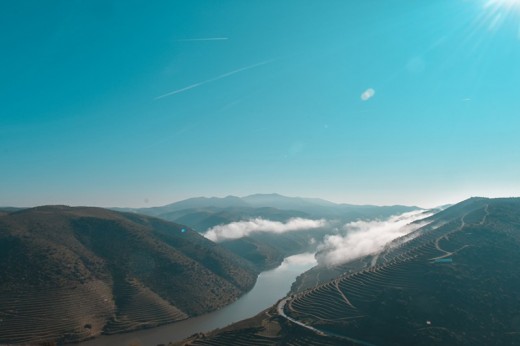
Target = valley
(84,272)
(71,274)
(406,295)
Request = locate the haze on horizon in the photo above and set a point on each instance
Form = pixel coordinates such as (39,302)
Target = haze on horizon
(116,103)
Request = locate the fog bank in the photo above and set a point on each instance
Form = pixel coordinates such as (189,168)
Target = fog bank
(241,229)
(361,238)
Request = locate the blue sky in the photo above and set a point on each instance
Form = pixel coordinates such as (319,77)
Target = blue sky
(135,103)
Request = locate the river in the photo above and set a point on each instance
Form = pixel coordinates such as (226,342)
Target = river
(270,286)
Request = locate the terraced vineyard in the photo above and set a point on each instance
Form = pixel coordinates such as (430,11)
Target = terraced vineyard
(452,282)
(73,313)
(139,307)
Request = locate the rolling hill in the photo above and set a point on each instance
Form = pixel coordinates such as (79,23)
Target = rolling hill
(67,274)
(452,282)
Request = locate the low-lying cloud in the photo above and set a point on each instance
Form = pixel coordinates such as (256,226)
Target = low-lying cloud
(241,229)
(362,238)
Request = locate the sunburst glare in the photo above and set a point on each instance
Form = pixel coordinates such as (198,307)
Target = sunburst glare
(497,12)
(502,8)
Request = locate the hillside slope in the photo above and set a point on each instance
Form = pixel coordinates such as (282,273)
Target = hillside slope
(68,274)
(452,282)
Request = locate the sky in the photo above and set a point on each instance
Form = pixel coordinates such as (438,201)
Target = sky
(143,103)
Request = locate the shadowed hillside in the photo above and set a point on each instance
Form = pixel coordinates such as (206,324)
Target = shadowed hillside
(452,282)
(67,274)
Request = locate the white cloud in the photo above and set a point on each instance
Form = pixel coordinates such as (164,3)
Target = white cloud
(368,94)
(304,259)
(241,229)
(362,238)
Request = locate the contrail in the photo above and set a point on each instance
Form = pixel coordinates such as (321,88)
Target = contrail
(203,39)
(215,79)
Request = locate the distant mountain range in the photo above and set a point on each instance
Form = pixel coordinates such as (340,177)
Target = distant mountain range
(67,274)
(452,282)
(204,212)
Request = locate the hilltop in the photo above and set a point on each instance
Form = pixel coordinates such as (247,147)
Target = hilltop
(67,274)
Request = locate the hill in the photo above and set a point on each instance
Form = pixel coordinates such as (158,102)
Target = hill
(67,274)
(452,282)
